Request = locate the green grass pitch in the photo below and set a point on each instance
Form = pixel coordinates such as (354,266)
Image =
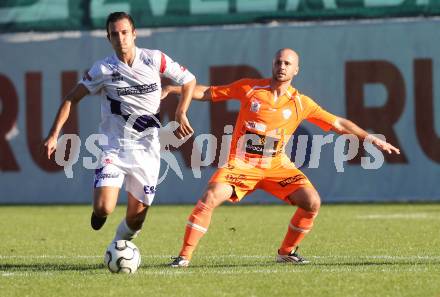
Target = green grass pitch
(356,250)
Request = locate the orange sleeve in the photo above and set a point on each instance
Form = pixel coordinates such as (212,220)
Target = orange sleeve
(317,115)
(235,90)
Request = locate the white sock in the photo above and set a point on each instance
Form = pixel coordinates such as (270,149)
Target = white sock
(124,232)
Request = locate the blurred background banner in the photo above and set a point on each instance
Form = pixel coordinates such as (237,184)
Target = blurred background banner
(49,15)
(382,74)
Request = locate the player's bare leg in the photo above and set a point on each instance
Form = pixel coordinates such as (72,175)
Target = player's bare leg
(104,202)
(308,202)
(131,225)
(306,198)
(136,212)
(199,220)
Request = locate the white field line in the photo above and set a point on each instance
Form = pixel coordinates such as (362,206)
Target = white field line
(289,268)
(384,257)
(399,216)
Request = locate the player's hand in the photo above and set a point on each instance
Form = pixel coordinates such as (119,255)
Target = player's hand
(185,128)
(383,145)
(50,146)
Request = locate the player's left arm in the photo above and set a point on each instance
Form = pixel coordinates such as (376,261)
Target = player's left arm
(185,128)
(187,82)
(345,126)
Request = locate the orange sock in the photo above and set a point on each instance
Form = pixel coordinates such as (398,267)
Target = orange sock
(300,224)
(197,226)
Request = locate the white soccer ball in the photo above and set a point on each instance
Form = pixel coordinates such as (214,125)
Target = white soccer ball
(122,256)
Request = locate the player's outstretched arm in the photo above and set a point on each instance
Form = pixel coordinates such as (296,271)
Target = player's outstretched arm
(201,92)
(72,98)
(344,126)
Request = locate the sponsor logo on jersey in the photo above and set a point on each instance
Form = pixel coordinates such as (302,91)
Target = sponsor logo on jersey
(292,179)
(261,144)
(137,90)
(229,166)
(287,113)
(260,127)
(106,175)
(116,76)
(99,174)
(149,189)
(255,105)
(236,180)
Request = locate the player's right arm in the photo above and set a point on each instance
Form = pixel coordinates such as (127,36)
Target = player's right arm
(79,92)
(201,92)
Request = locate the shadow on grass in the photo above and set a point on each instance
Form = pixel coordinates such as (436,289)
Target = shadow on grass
(267,264)
(45,267)
(49,267)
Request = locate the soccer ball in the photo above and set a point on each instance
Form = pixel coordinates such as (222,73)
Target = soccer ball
(122,256)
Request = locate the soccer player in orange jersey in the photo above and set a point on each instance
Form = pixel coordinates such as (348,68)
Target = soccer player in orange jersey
(271,110)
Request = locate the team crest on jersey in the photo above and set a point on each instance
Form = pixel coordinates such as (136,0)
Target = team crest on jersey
(255,106)
(148,61)
(116,76)
(287,113)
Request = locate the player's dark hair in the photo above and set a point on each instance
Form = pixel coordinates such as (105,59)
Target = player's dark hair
(117,16)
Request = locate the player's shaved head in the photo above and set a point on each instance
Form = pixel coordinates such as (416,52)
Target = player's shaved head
(288,52)
(285,65)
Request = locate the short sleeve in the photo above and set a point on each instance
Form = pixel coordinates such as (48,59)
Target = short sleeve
(317,115)
(173,70)
(235,90)
(93,79)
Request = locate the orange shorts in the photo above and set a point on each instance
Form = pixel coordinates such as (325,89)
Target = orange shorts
(280,179)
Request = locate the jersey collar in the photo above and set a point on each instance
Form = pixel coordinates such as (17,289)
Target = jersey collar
(292,92)
(137,54)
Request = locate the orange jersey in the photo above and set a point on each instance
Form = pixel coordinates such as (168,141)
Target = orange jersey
(265,123)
